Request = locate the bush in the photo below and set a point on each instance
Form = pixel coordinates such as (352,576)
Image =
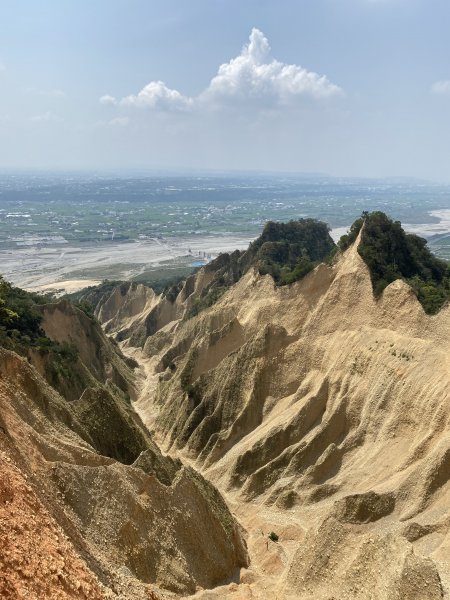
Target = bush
(206,300)
(86,307)
(349,238)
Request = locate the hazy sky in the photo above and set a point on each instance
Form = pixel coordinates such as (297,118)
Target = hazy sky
(347,87)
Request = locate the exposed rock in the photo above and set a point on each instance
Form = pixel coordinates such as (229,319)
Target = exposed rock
(98,359)
(160,520)
(364,508)
(321,401)
(36,560)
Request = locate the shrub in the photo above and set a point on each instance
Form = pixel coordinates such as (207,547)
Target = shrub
(349,238)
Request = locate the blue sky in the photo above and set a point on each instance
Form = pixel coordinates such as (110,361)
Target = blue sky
(346,87)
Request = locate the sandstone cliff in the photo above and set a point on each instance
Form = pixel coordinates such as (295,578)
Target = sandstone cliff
(322,408)
(91,507)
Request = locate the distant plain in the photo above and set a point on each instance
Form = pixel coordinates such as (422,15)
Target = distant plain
(75,228)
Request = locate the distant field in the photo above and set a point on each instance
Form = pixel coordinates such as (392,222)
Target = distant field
(59,227)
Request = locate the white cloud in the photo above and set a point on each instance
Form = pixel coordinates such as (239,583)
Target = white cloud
(253,78)
(107,99)
(157,95)
(47,117)
(441,87)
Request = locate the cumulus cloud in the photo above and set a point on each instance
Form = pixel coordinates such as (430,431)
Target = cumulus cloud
(253,78)
(107,99)
(157,95)
(441,87)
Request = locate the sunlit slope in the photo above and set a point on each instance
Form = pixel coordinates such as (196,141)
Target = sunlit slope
(320,399)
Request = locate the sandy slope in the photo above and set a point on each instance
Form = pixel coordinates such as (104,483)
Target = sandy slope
(91,509)
(37,561)
(323,415)
(69,286)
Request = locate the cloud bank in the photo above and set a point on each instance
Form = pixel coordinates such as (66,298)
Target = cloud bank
(253,78)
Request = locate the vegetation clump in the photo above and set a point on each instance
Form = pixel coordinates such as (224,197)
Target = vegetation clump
(205,301)
(350,237)
(86,307)
(392,254)
(289,251)
(171,291)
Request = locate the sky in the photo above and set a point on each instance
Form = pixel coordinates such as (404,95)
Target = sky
(343,87)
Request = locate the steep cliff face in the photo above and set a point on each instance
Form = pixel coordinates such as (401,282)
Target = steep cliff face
(320,402)
(37,561)
(124,507)
(315,359)
(132,313)
(97,358)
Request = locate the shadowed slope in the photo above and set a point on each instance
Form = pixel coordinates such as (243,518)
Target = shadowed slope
(158,519)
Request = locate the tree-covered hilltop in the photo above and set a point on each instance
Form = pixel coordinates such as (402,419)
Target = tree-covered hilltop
(392,254)
(286,251)
(289,251)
